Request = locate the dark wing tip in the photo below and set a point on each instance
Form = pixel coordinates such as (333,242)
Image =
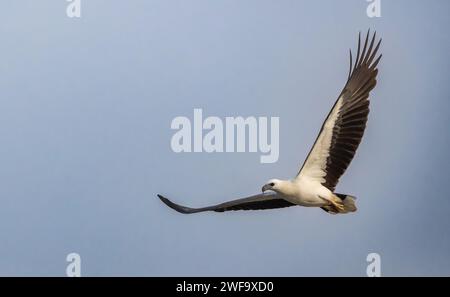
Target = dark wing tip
(177,207)
(366,53)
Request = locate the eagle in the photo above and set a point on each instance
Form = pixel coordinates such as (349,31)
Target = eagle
(334,148)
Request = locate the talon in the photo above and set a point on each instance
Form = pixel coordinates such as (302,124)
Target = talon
(338,205)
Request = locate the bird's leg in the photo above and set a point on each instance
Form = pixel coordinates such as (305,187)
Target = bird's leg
(335,203)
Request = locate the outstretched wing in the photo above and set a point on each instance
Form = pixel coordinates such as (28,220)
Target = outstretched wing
(344,126)
(261,201)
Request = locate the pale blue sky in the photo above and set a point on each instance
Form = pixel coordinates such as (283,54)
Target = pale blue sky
(85,112)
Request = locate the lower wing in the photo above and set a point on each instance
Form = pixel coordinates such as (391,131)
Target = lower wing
(260,201)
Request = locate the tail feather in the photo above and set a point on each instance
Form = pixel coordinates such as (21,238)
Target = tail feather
(349,203)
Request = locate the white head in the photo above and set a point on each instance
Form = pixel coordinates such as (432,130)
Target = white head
(273,185)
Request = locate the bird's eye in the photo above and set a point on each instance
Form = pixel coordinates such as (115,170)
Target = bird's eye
(272,184)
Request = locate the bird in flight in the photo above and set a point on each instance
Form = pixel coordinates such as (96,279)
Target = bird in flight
(330,155)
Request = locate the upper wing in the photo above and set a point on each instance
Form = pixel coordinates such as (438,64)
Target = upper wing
(261,201)
(344,126)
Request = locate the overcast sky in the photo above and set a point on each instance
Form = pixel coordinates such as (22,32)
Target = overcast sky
(85,111)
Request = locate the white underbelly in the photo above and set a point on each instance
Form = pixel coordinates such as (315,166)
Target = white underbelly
(310,194)
(308,201)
